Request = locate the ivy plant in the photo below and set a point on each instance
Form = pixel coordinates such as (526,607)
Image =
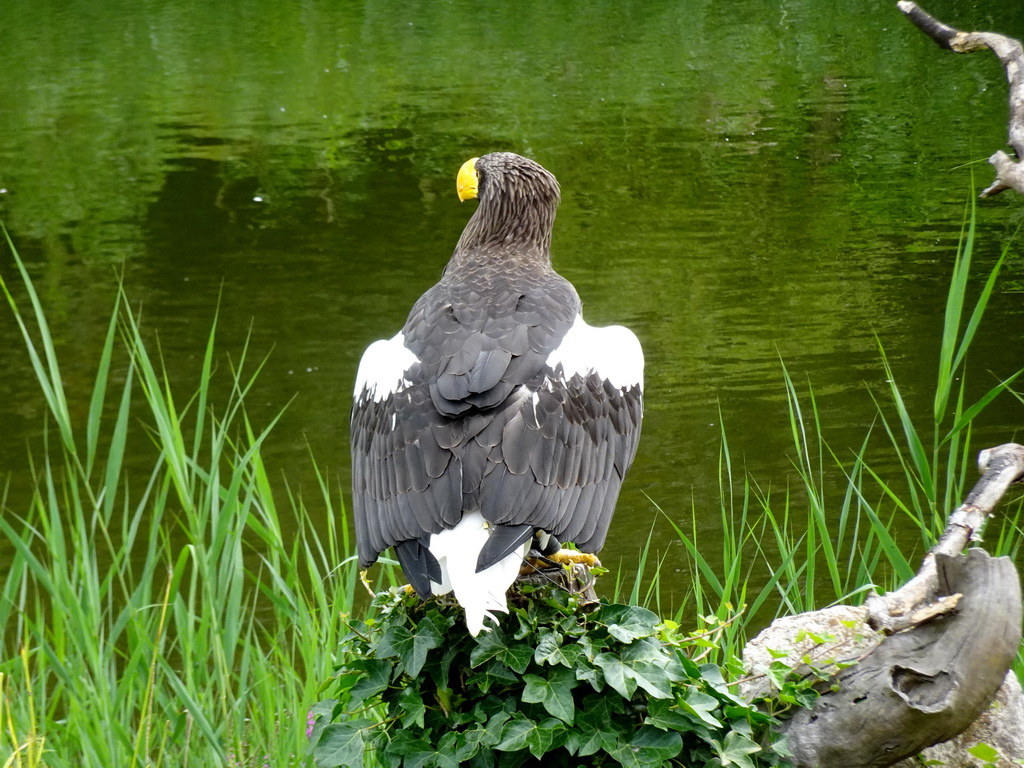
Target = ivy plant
(612,686)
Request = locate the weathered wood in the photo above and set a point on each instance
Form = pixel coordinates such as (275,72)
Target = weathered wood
(1001,467)
(1009,173)
(1000,727)
(923,685)
(942,645)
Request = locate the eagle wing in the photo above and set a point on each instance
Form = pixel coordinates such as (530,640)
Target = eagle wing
(513,406)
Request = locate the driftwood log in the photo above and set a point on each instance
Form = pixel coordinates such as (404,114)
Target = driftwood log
(1009,173)
(926,659)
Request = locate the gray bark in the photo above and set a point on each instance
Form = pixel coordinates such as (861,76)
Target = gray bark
(1009,173)
(923,685)
(945,642)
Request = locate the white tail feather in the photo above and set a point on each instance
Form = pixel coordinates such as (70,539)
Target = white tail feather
(480,594)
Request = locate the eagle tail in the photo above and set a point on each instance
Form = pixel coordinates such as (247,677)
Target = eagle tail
(480,594)
(419,565)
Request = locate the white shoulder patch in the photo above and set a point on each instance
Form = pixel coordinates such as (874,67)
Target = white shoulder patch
(383,367)
(613,353)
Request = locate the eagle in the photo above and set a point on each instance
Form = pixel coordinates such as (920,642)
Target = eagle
(497,419)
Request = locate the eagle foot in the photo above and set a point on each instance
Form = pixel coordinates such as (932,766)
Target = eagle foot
(571,574)
(573,557)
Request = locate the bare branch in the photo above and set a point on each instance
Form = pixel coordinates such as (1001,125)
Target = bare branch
(1009,175)
(1002,466)
(928,656)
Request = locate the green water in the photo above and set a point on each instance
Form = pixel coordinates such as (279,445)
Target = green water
(743,183)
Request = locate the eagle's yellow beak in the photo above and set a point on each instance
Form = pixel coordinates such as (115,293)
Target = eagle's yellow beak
(467,180)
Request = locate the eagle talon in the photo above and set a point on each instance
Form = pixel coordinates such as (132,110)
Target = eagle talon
(537,562)
(573,557)
(563,558)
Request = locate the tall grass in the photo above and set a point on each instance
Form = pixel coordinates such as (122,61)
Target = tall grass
(188,618)
(173,621)
(829,537)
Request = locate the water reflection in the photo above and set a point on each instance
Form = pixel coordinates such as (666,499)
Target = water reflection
(742,186)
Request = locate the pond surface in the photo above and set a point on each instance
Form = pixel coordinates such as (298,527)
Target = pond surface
(744,184)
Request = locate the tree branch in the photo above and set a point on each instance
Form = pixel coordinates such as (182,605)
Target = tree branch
(1001,467)
(1009,174)
(941,647)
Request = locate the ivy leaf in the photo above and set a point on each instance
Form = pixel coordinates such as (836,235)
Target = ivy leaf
(587,673)
(629,622)
(712,674)
(554,692)
(521,732)
(342,744)
(549,649)
(587,645)
(701,705)
(470,743)
(616,674)
(650,649)
(650,747)
(494,645)
(495,727)
(516,733)
(625,678)
(519,657)
(494,673)
(594,729)
(652,678)
(690,668)
(665,714)
(376,675)
(736,750)
(410,649)
(408,750)
(488,646)
(412,706)
(445,755)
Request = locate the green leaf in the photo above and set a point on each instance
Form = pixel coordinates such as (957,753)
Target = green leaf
(489,646)
(342,744)
(445,755)
(665,714)
(649,650)
(701,705)
(495,727)
(736,750)
(625,678)
(519,657)
(595,727)
(516,733)
(712,675)
(658,744)
(412,707)
(983,751)
(521,732)
(375,677)
(554,693)
(410,649)
(629,622)
(472,742)
(650,747)
(551,651)
(616,674)
(494,645)
(495,673)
